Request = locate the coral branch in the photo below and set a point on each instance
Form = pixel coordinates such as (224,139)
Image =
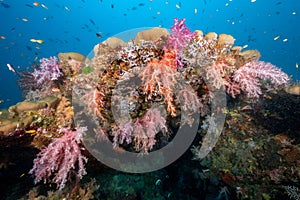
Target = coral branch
(60,157)
(159,78)
(141,131)
(249,75)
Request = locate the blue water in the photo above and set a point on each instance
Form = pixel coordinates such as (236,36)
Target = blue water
(69,25)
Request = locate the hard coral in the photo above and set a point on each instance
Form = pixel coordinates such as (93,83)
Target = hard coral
(139,54)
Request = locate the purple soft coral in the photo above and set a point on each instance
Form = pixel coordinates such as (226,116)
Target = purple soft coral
(180,37)
(48,71)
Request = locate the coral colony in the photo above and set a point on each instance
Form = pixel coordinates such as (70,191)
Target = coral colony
(159,59)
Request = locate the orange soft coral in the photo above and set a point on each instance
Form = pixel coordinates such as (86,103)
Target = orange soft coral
(159,78)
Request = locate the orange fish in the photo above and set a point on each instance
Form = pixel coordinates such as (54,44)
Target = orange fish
(55,89)
(36,3)
(30,131)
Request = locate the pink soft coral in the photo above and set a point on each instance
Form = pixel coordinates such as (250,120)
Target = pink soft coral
(180,36)
(179,39)
(55,162)
(249,75)
(141,131)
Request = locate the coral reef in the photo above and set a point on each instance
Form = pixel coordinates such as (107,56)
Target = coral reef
(139,93)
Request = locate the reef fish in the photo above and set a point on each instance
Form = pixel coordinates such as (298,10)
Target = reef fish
(5,5)
(37,41)
(36,3)
(99,35)
(11,68)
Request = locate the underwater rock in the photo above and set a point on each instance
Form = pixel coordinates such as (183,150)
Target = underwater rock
(113,42)
(151,35)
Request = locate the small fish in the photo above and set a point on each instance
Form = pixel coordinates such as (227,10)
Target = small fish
(11,68)
(276,38)
(28,48)
(44,6)
(24,19)
(158,13)
(141,4)
(37,41)
(30,131)
(55,89)
(99,35)
(278,3)
(112,6)
(67,9)
(5,5)
(285,40)
(177,6)
(92,21)
(22,175)
(294,13)
(2,37)
(158,182)
(36,3)
(30,6)
(297,66)
(252,1)
(248,139)
(195,11)
(245,46)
